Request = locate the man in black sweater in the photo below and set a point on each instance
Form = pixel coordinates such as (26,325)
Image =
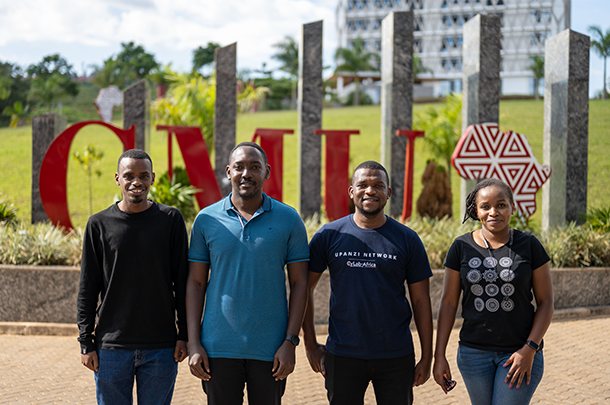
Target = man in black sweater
(133,275)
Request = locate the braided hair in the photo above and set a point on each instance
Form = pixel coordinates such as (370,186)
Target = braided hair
(471,200)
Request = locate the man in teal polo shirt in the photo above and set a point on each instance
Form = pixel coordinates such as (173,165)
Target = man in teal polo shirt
(239,247)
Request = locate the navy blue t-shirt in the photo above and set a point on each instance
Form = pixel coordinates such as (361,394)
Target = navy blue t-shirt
(369,311)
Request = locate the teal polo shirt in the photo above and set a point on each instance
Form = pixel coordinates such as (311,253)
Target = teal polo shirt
(246,308)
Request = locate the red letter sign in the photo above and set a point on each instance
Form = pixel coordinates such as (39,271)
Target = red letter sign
(197,162)
(272,142)
(407,202)
(54,170)
(336,176)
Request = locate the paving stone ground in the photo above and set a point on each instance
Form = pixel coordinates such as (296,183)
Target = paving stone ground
(47,370)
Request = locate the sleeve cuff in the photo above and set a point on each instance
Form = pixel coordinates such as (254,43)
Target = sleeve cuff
(87,347)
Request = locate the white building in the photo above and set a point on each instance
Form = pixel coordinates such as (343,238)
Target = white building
(438,34)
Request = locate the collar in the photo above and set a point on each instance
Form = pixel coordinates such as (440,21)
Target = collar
(267,204)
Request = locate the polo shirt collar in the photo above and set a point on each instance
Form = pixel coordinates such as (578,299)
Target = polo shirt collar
(266,206)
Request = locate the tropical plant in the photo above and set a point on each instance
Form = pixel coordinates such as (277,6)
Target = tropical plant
(14,86)
(88,159)
(161,78)
(175,194)
(189,102)
(364,99)
(8,212)
(601,44)
(288,56)
(443,128)
(204,56)
(18,114)
(577,246)
(356,60)
(250,97)
(5,87)
(52,78)
(537,68)
(599,219)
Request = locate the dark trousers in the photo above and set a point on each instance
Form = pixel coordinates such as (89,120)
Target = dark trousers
(226,387)
(347,379)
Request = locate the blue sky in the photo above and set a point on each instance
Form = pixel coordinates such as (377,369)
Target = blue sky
(86,32)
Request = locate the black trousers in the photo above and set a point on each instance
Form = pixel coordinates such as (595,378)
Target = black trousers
(226,387)
(348,378)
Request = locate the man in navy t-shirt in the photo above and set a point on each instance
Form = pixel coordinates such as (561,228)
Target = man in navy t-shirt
(370,257)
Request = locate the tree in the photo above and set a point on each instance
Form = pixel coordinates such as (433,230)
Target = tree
(130,65)
(537,68)
(354,60)
(288,56)
(14,87)
(18,114)
(601,44)
(250,96)
(204,56)
(52,78)
(443,128)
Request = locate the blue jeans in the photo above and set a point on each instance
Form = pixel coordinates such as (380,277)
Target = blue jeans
(484,375)
(154,370)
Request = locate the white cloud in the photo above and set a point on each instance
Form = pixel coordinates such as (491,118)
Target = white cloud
(162,26)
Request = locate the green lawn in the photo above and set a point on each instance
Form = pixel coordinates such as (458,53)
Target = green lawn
(521,116)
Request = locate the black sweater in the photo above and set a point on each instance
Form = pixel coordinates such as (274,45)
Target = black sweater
(135,266)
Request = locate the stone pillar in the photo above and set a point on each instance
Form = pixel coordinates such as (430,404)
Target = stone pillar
(566,128)
(311,95)
(45,128)
(136,111)
(225,112)
(396,99)
(481,78)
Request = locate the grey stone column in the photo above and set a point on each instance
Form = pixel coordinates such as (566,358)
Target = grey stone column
(225,112)
(45,128)
(481,82)
(136,111)
(311,95)
(396,99)
(566,128)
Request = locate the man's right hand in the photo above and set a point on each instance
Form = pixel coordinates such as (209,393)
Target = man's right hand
(315,355)
(90,361)
(198,362)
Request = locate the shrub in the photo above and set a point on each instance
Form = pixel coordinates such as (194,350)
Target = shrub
(39,244)
(599,219)
(577,246)
(175,193)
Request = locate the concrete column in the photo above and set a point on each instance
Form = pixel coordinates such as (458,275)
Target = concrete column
(566,128)
(225,112)
(311,95)
(481,80)
(396,99)
(136,111)
(45,128)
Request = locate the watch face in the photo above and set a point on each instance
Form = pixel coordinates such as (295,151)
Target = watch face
(294,339)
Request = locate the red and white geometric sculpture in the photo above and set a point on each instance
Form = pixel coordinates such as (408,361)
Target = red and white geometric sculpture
(485,152)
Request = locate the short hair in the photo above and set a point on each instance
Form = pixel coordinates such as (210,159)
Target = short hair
(252,145)
(134,154)
(371,164)
(471,200)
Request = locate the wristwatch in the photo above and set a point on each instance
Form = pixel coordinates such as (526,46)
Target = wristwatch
(537,347)
(294,339)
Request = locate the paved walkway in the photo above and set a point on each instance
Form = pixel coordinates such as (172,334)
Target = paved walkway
(46,370)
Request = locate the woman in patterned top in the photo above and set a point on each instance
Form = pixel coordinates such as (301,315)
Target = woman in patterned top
(497,268)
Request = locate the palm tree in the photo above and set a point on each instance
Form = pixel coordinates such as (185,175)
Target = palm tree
(537,68)
(601,44)
(288,55)
(354,60)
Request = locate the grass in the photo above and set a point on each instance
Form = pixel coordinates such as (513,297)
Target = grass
(518,115)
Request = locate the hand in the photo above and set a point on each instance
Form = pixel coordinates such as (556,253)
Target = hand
(441,371)
(284,361)
(422,371)
(315,356)
(520,363)
(90,361)
(181,351)
(198,362)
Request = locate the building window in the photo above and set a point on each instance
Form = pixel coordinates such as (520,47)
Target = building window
(417,45)
(417,23)
(542,16)
(538,38)
(350,5)
(377,45)
(359,5)
(366,4)
(376,24)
